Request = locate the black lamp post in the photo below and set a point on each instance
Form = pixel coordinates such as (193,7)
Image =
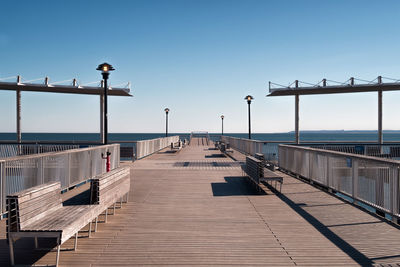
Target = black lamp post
(105,68)
(166,121)
(249,98)
(222,119)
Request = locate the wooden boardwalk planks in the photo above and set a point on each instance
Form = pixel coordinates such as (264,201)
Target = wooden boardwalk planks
(204,213)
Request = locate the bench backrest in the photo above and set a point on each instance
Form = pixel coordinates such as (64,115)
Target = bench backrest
(29,205)
(108,186)
(254,168)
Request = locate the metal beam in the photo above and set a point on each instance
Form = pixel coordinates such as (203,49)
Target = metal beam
(65,89)
(340,89)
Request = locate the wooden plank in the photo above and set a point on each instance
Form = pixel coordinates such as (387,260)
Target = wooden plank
(36,191)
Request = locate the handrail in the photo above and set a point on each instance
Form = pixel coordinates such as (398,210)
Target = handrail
(55,153)
(344,154)
(373,181)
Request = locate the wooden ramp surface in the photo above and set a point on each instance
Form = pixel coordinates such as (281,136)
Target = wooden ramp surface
(194,208)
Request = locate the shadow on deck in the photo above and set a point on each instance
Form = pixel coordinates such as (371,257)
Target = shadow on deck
(234,186)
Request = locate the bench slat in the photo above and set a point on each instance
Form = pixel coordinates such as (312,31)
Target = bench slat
(35,192)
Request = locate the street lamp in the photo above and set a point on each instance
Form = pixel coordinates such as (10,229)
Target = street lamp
(222,119)
(166,121)
(249,98)
(105,68)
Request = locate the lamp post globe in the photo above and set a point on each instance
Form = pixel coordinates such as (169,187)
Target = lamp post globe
(105,69)
(166,121)
(249,98)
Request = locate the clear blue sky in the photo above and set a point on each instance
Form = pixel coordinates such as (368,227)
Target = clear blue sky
(199,58)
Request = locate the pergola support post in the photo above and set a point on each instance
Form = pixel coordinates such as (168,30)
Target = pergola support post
(18,96)
(296,117)
(380,133)
(102,115)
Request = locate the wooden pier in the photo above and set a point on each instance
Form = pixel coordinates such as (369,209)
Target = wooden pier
(194,207)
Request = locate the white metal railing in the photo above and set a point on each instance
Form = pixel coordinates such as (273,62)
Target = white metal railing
(70,167)
(251,147)
(388,150)
(369,180)
(147,147)
(245,146)
(13,150)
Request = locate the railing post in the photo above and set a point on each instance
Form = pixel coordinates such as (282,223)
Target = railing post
(41,170)
(328,174)
(2,191)
(69,169)
(394,193)
(354,177)
(310,154)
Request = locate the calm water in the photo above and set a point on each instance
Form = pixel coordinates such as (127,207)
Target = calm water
(305,136)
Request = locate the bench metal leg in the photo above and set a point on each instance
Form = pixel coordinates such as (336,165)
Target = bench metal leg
(127,197)
(120,203)
(114,209)
(95,224)
(90,228)
(11,245)
(105,220)
(76,241)
(36,242)
(58,252)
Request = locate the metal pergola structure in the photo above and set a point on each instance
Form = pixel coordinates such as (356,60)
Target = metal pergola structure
(73,88)
(332,87)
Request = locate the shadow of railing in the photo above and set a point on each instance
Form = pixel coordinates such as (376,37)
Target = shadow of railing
(351,251)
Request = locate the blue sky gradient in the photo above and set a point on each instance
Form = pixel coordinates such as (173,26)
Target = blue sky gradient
(199,58)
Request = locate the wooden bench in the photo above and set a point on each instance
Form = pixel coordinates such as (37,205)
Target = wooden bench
(256,171)
(38,212)
(108,189)
(225,148)
(269,165)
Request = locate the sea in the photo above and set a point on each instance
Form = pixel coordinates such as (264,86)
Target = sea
(348,136)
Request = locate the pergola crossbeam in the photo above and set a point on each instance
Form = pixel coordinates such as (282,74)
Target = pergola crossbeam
(323,88)
(46,87)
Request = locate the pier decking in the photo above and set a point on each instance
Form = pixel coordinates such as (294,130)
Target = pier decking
(194,207)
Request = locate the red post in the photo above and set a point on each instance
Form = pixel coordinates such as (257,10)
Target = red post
(108,160)
(108,163)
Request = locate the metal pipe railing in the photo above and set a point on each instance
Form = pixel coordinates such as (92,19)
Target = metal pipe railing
(70,167)
(270,148)
(13,150)
(366,179)
(147,147)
